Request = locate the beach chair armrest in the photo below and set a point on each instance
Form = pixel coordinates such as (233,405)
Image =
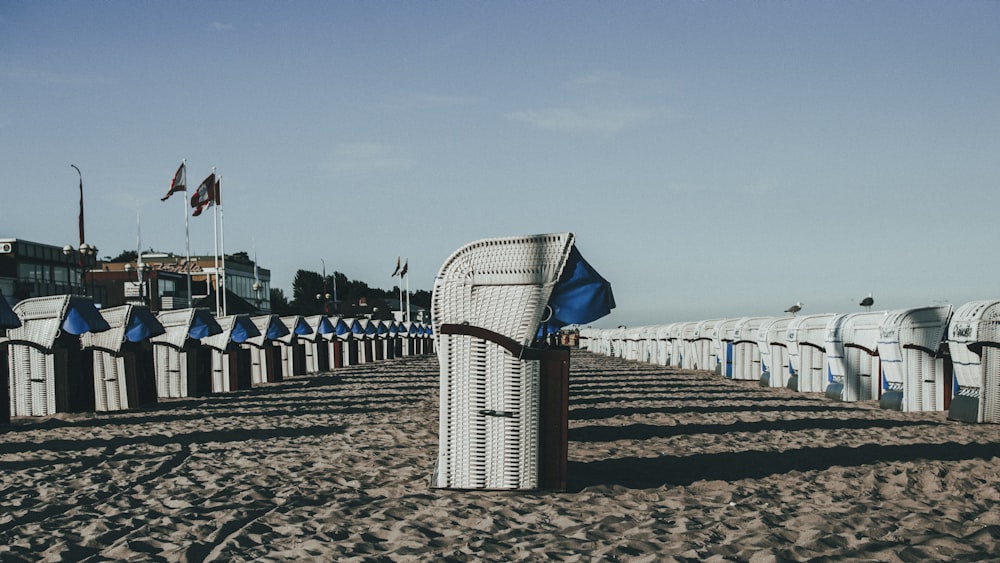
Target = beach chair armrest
(512,346)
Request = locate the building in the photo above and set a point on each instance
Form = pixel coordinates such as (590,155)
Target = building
(162,285)
(33,269)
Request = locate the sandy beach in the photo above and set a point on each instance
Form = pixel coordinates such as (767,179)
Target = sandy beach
(665,464)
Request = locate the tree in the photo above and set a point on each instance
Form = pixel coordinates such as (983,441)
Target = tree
(305,287)
(279,303)
(125,256)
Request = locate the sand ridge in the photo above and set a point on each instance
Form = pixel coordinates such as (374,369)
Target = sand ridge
(665,464)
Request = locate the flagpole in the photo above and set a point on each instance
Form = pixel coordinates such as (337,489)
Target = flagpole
(215,237)
(138,256)
(222,232)
(408,290)
(187,238)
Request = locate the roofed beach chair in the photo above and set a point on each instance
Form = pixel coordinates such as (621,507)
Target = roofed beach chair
(124,372)
(722,345)
(49,371)
(265,356)
(231,362)
(8,319)
(852,354)
(503,417)
(293,351)
(746,352)
(913,363)
(806,337)
(316,344)
(183,366)
(773,344)
(974,343)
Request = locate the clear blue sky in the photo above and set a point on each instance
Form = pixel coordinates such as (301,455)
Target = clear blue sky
(715,159)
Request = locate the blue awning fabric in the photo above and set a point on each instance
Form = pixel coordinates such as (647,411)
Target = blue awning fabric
(581,295)
(243,328)
(325,326)
(203,324)
(275,329)
(142,324)
(342,328)
(302,327)
(82,316)
(8,318)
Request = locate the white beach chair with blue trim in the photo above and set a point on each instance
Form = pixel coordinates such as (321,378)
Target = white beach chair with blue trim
(974,343)
(489,300)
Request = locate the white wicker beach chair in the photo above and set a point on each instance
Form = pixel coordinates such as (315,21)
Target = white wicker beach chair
(974,343)
(183,366)
(806,337)
(489,300)
(124,376)
(852,354)
(49,372)
(722,345)
(773,344)
(746,352)
(231,363)
(265,356)
(913,366)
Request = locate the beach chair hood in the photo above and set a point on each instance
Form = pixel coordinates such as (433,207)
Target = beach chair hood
(129,323)
(45,318)
(581,295)
(182,324)
(236,329)
(269,327)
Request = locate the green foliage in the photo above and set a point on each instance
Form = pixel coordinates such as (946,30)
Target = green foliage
(279,303)
(307,285)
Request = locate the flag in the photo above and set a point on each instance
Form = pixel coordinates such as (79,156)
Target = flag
(204,196)
(406,266)
(179,183)
(396,271)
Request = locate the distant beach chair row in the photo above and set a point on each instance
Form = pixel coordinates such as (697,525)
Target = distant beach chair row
(62,354)
(919,359)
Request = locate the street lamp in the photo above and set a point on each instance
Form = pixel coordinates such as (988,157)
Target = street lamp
(85,250)
(325,296)
(139,271)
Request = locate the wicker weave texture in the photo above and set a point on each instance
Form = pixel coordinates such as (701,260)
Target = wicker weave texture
(973,334)
(32,381)
(110,382)
(110,340)
(171,371)
(489,414)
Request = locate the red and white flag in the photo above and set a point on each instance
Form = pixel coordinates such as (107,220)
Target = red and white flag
(396,271)
(179,183)
(406,267)
(205,196)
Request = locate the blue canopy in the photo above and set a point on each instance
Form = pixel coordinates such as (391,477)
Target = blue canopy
(341,329)
(275,328)
(8,318)
(302,327)
(243,328)
(82,316)
(203,324)
(581,295)
(142,324)
(382,328)
(356,327)
(325,326)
